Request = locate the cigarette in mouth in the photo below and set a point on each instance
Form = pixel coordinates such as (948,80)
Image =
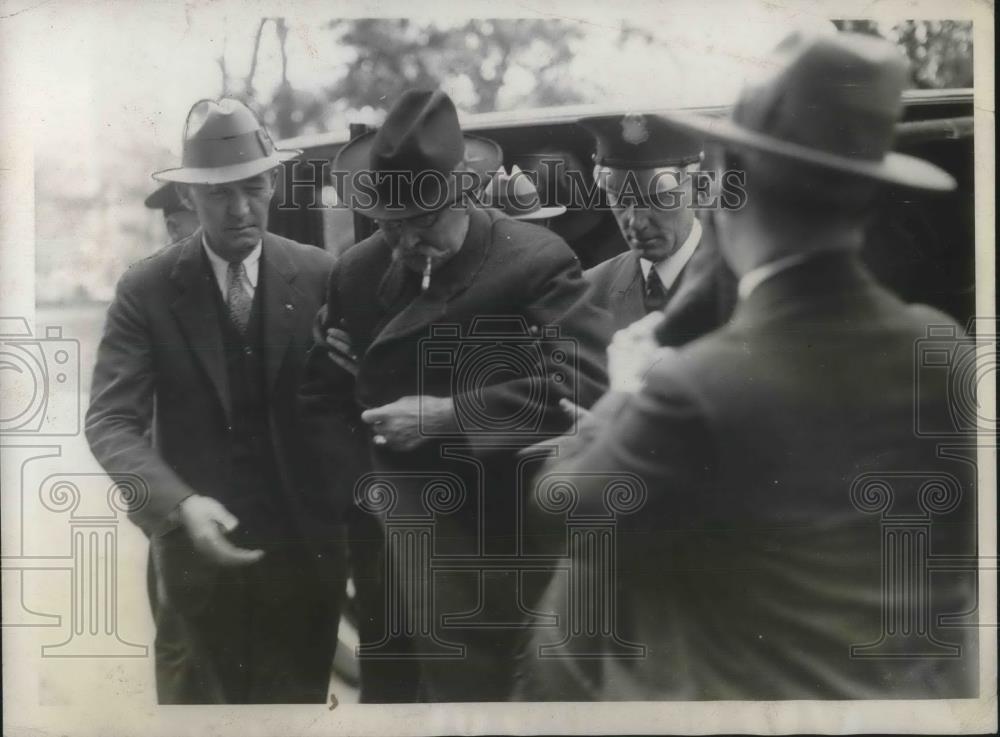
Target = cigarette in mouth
(425,283)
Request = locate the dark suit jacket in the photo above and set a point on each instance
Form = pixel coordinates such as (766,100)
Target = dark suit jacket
(750,571)
(160,405)
(505,269)
(702,299)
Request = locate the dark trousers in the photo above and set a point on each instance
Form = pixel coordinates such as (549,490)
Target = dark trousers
(383,680)
(263,633)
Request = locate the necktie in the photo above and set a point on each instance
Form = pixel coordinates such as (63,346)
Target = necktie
(237,299)
(655,296)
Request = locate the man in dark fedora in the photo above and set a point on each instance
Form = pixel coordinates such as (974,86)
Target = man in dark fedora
(645,167)
(194,392)
(449,321)
(779,453)
(178,218)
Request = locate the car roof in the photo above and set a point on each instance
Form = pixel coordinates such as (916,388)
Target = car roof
(918,105)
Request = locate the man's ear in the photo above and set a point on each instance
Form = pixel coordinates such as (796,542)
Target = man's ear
(184,195)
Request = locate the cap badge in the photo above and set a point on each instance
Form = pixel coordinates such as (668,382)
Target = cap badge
(634,129)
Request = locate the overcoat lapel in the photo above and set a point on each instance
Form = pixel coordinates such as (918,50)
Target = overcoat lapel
(694,288)
(281,303)
(625,290)
(453,278)
(196,313)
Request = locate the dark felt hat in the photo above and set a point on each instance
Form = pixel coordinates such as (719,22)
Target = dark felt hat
(829,100)
(166,199)
(409,165)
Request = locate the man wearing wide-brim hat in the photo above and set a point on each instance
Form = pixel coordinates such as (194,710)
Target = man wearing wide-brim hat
(780,453)
(193,392)
(179,219)
(459,330)
(645,166)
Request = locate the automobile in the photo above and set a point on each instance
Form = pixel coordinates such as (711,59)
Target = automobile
(922,246)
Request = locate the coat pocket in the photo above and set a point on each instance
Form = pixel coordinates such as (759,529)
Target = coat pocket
(184,578)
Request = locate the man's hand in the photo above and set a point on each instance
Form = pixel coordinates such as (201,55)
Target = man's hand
(632,353)
(337,342)
(340,351)
(574,412)
(206,522)
(406,423)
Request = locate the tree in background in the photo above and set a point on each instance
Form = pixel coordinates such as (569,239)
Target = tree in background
(940,51)
(476,60)
(492,64)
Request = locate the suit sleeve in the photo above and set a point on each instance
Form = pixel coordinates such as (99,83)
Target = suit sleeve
(658,441)
(120,416)
(573,358)
(335,436)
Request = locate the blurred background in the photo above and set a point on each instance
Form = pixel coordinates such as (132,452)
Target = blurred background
(122,76)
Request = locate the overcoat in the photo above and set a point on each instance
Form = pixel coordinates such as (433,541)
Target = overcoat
(161,409)
(801,468)
(506,329)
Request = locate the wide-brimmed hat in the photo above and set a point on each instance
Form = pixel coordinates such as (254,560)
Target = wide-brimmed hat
(515,195)
(637,150)
(167,199)
(224,142)
(829,100)
(418,161)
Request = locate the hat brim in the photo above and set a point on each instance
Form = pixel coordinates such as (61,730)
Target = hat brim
(161,199)
(895,168)
(482,156)
(226,174)
(541,213)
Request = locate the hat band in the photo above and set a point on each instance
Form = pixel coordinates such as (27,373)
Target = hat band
(617,163)
(522,203)
(213,153)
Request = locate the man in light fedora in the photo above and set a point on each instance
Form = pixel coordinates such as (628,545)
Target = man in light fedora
(433,314)
(194,391)
(645,165)
(779,453)
(514,194)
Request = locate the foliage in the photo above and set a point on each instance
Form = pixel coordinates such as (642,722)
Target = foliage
(940,52)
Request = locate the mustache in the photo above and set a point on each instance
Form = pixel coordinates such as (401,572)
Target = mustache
(421,250)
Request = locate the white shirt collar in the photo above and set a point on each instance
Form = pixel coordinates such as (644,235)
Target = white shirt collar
(755,277)
(220,267)
(670,268)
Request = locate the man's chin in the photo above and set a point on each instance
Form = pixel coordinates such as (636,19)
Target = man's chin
(244,239)
(655,252)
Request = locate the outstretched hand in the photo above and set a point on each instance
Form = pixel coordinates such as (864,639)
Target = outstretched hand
(207,522)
